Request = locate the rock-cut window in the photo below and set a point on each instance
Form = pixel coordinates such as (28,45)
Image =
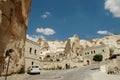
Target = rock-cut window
(35,51)
(32,63)
(103,50)
(30,50)
(94,51)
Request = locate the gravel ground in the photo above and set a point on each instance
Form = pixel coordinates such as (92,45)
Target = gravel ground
(103,76)
(85,73)
(95,76)
(15,77)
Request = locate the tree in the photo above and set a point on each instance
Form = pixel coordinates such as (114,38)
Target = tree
(98,58)
(111,51)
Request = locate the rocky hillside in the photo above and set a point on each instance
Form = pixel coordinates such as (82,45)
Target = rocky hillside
(74,44)
(113,42)
(13,25)
(73,47)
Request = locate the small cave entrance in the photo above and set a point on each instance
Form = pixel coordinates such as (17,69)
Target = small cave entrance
(88,62)
(67,66)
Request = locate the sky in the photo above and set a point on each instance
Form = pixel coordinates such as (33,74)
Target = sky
(61,19)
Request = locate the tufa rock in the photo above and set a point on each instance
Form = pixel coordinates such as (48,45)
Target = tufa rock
(13,25)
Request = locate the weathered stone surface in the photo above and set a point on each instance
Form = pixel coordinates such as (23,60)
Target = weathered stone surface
(73,45)
(13,25)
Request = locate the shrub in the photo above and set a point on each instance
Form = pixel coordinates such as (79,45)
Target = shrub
(21,71)
(59,67)
(97,57)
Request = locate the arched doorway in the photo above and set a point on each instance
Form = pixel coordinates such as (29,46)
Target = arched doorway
(32,63)
(88,62)
(67,66)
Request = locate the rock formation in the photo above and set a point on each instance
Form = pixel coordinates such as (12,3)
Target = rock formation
(73,45)
(13,25)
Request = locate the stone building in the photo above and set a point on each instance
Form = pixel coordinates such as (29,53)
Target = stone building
(36,54)
(89,52)
(32,53)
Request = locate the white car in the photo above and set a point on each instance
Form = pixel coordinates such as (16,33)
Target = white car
(33,70)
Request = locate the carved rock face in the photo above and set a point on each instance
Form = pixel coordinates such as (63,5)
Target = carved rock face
(13,25)
(73,45)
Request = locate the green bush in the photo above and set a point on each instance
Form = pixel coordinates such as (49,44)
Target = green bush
(59,67)
(51,68)
(55,68)
(21,71)
(98,57)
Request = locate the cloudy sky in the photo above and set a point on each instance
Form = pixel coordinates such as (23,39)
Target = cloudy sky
(60,19)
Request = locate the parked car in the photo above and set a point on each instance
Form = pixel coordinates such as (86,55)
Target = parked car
(33,70)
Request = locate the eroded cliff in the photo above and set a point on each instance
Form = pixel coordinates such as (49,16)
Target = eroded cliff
(13,25)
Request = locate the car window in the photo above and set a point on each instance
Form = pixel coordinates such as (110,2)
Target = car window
(34,66)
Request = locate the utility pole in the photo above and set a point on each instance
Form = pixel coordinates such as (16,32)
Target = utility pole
(8,55)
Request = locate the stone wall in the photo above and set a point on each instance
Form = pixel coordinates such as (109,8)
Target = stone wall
(118,62)
(32,53)
(88,53)
(13,25)
(66,64)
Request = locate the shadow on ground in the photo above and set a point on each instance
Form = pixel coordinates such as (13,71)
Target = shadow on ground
(94,69)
